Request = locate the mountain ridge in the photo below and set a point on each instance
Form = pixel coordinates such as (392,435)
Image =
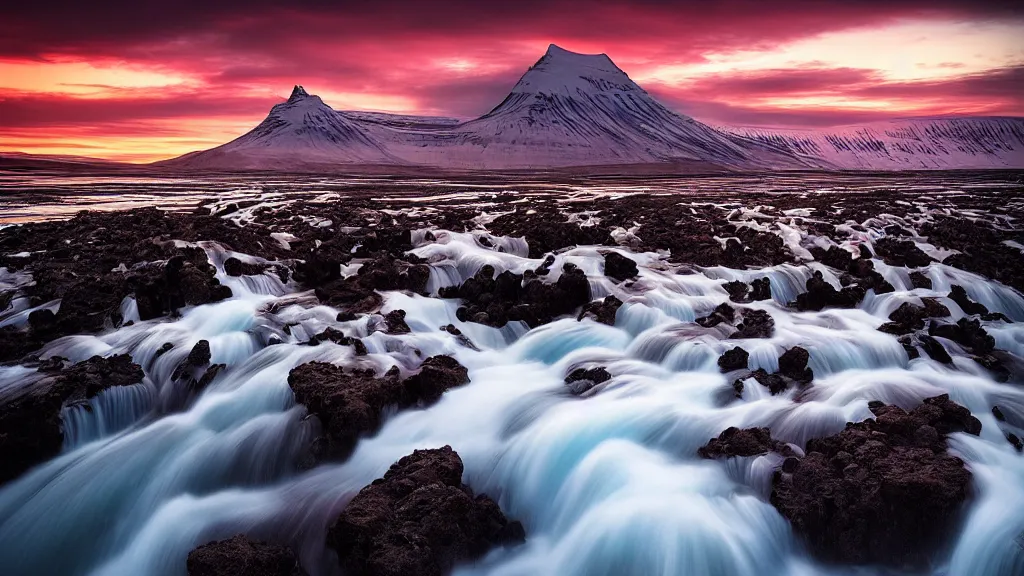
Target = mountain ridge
(572,109)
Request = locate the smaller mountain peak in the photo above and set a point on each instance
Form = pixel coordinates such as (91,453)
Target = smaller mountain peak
(298,92)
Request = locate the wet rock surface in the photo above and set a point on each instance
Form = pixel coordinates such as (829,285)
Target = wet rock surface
(497,300)
(741,292)
(619,267)
(733,359)
(419,520)
(241,556)
(735,442)
(882,491)
(350,403)
(853,515)
(30,421)
(582,380)
(603,311)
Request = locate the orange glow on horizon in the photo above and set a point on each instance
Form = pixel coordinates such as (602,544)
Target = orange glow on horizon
(170,106)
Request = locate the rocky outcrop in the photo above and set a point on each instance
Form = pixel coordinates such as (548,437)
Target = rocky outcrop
(546,230)
(186,279)
(350,403)
(882,491)
(619,267)
(418,520)
(331,334)
(820,294)
(359,293)
(494,301)
(735,442)
(30,423)
(240,556)
(793,365)
(754,324)
(901,253)
(758,289)
(603,311)
(235,267)
(734,359)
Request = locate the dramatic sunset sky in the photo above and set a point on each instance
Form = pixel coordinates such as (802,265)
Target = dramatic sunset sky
(140,81)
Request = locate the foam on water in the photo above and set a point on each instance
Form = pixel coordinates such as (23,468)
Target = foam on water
(608,484)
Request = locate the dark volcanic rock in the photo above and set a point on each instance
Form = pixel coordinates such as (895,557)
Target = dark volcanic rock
(240,556)
(513,297)
(901,253)
(882,491)
(920,280)
(619,267)
(793,364)
(30,424)
(338,337)
(759,289)
(582,380)
(418,520)
(835,257)
(735,359)
(546,230)
(186,279)
(746,442)
(359,293)
(396,322)
(198,357)
(603,311)
(935,350)
(820,294)
(905,319)
(723,313)
(235,267)
(959,295)
(968,333)
(351,403)
(755,324)
(437,374)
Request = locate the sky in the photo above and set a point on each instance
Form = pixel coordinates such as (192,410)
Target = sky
(141,81)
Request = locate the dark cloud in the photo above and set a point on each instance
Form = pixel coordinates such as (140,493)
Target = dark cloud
(37,29)
(54,110)
(231,49)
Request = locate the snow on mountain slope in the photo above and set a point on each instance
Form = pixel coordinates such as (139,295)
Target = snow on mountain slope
(399,120)
(911,144)
(582,110)
(575,109)
(300,133)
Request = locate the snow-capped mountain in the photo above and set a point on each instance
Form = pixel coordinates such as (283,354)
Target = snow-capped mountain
(574,109)
(911,144)
(300,133)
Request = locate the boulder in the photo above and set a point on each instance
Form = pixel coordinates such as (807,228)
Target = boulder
(418,520)
(755,324)
(883,491)
(619,267)
(734,359)
(350,403)
(240,556)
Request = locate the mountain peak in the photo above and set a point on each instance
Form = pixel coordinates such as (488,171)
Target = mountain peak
(561,71)
(298,92)
(568,60)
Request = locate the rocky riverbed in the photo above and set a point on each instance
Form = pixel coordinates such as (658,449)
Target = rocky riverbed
(571,381)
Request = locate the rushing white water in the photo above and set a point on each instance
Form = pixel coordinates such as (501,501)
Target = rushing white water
(609,484)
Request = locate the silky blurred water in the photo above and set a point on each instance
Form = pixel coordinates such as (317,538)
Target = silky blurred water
(609,484)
